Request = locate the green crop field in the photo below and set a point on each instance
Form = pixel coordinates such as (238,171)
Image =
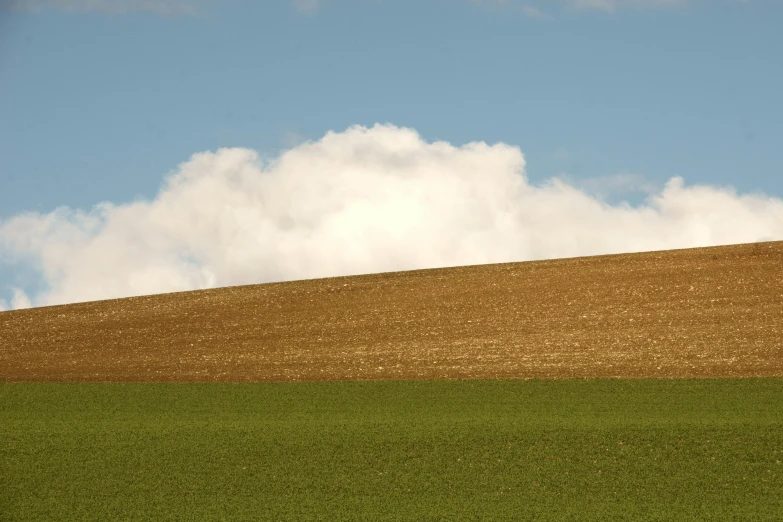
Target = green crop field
(400,450)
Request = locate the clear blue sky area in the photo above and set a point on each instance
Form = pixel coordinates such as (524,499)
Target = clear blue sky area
(99,106)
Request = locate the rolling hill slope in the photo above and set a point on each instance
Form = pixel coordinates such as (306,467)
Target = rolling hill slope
(707,312)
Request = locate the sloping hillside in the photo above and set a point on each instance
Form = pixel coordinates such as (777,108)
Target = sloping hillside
(681,313)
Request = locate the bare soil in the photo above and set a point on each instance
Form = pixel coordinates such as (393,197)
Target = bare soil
(707,312)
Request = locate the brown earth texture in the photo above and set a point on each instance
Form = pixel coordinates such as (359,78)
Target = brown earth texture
(705,312)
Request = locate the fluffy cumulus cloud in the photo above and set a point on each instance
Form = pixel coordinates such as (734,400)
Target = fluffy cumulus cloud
(359,201)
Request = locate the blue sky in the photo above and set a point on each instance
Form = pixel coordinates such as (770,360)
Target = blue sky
(101,100)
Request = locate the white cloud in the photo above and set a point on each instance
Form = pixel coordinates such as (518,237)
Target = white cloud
(163,7)
(19,300)
(358,201)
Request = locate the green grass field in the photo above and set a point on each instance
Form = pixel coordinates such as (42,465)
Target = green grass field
(452,450)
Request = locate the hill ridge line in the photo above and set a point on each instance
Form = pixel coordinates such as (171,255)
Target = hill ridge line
(696,312)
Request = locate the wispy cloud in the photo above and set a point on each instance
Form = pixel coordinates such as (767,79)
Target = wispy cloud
(613,5)
(534,12)
(614,186)
(542,8)
(363,200)
(19,300)
(306,6)
(532,8)
(162,7)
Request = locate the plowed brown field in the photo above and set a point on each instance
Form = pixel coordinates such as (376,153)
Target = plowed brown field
(679,313)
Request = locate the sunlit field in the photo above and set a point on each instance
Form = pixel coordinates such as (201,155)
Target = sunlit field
(399,450)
